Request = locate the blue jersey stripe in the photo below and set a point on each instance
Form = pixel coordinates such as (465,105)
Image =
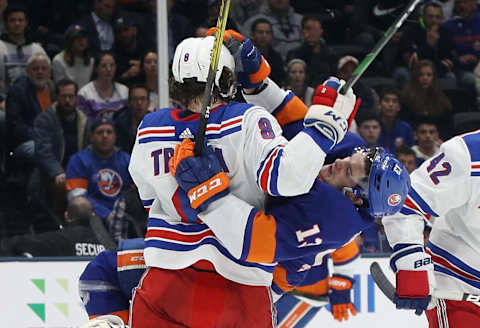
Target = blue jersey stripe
(248,234)
(473,144)
(185,228)
(449,272)
(453,260)
(279,108)
(274,174)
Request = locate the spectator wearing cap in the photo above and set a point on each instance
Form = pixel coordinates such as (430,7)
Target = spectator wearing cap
(103,96)
(74,61)
(99,25)
(99,173)
(296,81)
(27,97)
(320,59)
(58,133)
(15,47)
(128,48)
(346,66)
(128,119)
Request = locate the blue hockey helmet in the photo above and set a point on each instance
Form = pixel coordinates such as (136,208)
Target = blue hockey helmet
(387,185)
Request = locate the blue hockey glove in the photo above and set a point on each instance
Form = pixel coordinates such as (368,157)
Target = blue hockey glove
(414,277)
(339,295)
(251,67)
(200,177)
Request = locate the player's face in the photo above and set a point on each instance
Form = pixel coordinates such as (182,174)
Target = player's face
(345,172)
(103,139)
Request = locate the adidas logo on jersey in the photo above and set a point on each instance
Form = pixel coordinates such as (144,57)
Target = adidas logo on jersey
(186,134)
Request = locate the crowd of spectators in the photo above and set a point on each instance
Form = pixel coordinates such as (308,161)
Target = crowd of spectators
(77,78)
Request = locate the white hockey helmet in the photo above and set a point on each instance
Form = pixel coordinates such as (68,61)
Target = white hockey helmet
(192,60)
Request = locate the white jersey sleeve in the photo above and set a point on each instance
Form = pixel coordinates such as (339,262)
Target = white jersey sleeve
(282,168)
(440,184)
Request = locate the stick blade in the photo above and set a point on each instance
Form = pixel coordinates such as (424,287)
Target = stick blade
(382,281)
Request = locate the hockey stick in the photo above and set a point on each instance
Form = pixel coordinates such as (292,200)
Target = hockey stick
(387,288)
(362,67)
(217,48)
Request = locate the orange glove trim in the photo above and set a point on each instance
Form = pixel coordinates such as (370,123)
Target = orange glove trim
(262,73)
(182,151)
(227,35)
(216,184)
(340,311)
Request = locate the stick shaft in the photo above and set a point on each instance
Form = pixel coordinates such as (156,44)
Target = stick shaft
(207,95)
(362,67)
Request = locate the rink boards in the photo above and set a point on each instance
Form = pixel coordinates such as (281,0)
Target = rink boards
(44,294)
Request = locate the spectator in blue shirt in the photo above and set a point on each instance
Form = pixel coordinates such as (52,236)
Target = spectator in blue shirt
(395,132)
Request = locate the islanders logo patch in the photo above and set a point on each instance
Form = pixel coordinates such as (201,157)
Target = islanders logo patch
(109,182)
(394,199)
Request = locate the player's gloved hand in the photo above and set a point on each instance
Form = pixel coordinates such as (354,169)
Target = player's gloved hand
(339,295)
(251,67)
(331,112)
(201,177)
(105,321)
(414,275)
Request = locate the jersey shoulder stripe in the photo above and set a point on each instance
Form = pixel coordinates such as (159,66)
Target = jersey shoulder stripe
(472,141)
(415,203)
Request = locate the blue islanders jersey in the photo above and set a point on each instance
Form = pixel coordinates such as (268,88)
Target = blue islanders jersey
(107,282)
(102,179)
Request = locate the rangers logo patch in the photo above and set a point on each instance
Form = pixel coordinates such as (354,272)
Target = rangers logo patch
(394,200)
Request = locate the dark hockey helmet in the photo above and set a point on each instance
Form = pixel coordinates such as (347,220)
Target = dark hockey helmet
(387,184)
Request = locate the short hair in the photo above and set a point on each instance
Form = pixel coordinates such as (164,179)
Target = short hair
(368,116)
(311,17)
(14,9)
(38,56)
(64,82)
(137,86)
(424,120)
(79,210)
(260,21)
(389,90)
(296,61)
(404,150)
(433,4)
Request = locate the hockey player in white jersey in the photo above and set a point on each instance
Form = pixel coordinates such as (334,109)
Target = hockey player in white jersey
(446,187)
(258,160)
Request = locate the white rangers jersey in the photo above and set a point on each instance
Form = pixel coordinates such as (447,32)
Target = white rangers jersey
(254,154)
(446,186)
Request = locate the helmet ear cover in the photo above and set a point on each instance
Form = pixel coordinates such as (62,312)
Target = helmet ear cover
(385,190)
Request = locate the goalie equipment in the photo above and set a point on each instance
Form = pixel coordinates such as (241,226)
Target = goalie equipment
(192,60)
(105,321)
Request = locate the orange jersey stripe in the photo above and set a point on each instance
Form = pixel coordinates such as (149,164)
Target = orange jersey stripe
(293,317)
(129,259)
(347,252)
(294,110)
(318,288)
(77,183)
(263,242)
(280,278)
(124,314)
